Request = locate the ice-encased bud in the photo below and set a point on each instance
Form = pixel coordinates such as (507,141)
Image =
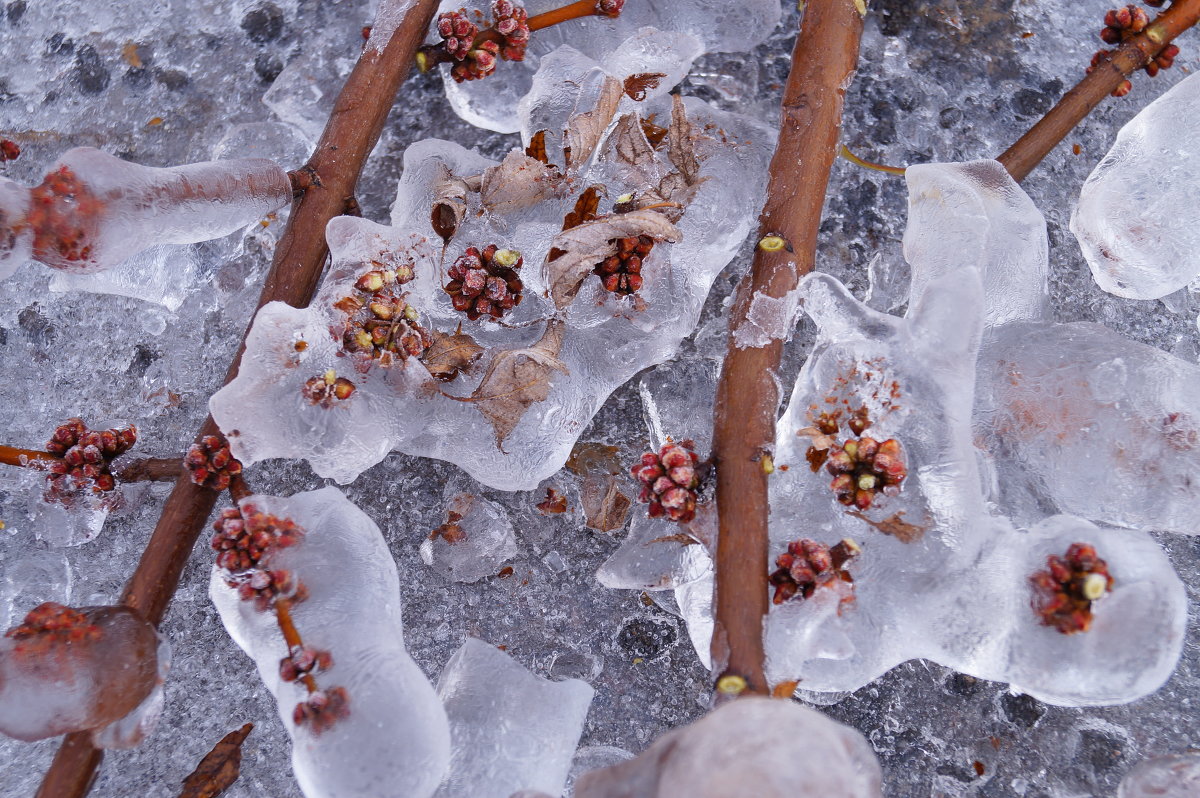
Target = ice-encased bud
(1138,217)
(1079,418)
(16,238)
(64,670)
(93,210)
(749,748)
(510,730)
(1176,776)
(395,741)
(602,339)
(963,215)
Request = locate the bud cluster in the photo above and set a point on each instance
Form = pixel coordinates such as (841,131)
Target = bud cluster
(303,660)
(380,324)
(1122,24)
(485,283)
(670,481)
(865,467)
(211,464)
(52,624)
(808,565)
(511,22)
(327,389)
(1064,592)
(65,217)
(9,150)
(322,709)
(622,273)
(87,456)
(242,541)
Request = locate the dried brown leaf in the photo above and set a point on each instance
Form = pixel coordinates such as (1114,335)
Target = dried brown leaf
(219,768)
(537,147)
(893,525)
(682,538)
(591,242)
(784,689)
(584,130)
(588,457)
(518,378)
(681,141)
(655,134)
(449,202)
(605,507)
(636,86)
(449,355)
(585,208)
(634,150)
(518,182)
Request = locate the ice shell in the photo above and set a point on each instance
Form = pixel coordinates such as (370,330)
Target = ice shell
(1176,776)
(395,742)
(748,748)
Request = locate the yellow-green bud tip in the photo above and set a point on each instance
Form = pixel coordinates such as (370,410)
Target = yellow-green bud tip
(506,257)
(330,377)
(731,684)
(1094,586)
(768,464)
(772,243)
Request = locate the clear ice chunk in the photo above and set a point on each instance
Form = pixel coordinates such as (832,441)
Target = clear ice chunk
(1080,419)
(585,350)
(646,38)
(395,740)
(511,730)
(748,748)
(474,543)
(16,239)
(1176,776)
(65,670)
(974,214)
(1139,211)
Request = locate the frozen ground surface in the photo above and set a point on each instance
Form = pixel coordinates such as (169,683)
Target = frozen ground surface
(941,80)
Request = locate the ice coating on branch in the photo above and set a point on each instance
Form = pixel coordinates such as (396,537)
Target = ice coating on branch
(476,540)
(395,740)
(943,578)
(748,748)
(520,375)
(388,16)
(1081,419)
(16,239)
(1176,776)
(511,730)
(975,215)
(1139,211)
(645,38)
(65,670)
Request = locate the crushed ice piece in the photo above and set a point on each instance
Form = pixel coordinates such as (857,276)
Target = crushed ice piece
(646,38)
(64,670)
(353,611)
(33,578)
(974,214)
(749,748)
(303,93)
(475,542)
(1081,419)
(1175,776)
(767,319)
(654,557)
(947,581)
(605,341)
(511,730)
(1139,210)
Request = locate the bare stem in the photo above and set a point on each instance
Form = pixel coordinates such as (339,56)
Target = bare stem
(145,469)
(358,117)
(823,63)
(1021,158)
(291,636)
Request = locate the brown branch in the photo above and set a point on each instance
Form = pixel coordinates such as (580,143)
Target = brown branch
(823,62)
(11,455)
(146,469)
(353,129)
(291,636)
(1021,158)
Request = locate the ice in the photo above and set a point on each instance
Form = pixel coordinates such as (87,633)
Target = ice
(975,214)
(1176,776)
(133,729)
(395,740)
(1083,420)
(584,350)
(16,239)
(1137,215)
(938,577)
(474,543)
(303,94)
(645,38)
(94,212)
(33,578)
(748,748)
(65,670)
(767,319)
(511,730)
